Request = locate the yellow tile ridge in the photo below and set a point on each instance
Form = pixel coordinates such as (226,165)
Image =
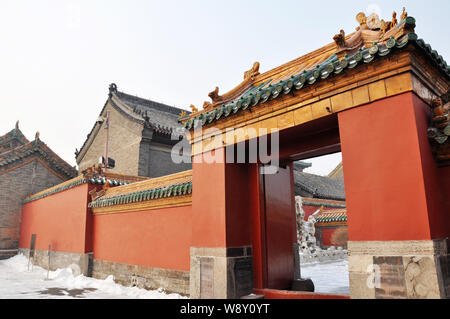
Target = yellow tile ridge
(157,182)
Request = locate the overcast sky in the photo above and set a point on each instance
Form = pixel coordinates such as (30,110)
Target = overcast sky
(57,58)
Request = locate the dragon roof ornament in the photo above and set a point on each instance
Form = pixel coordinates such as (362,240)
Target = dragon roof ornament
(439,131)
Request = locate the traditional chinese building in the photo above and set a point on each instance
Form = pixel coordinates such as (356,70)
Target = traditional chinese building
(140,137)
(228,229)
(323,196)
(315,186)
(25,168)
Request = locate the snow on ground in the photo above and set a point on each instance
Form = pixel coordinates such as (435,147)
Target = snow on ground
(16,282)
(329,277)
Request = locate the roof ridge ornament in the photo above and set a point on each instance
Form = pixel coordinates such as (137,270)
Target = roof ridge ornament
(253,72)
(404,14)
(36,138)
(193,108)
(439,131)
(372,30)
(112,89)
(214,95)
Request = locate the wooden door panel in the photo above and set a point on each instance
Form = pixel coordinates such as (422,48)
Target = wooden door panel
(279,218)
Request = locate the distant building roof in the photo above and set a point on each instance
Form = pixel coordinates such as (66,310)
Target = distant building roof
(336,215)
(338,172)
(320,186)
(300,165)
(326,203)
(160,117)
(12,139)
(21,153)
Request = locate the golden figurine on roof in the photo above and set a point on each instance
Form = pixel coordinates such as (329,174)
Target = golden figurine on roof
(214,95)
(371,30)
(193,108)
(254,71)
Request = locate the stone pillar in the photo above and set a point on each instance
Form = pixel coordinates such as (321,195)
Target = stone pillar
(221,273)
(395,203)
(399,269)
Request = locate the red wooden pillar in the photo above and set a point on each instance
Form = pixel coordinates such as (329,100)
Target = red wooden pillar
(395,202)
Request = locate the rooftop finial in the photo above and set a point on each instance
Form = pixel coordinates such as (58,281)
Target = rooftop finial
(36,137)
(214,95)
(404,14)
(193,108)
(16,131)
(253,72)
(112,88)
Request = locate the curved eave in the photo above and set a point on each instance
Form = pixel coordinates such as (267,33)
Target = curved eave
(330,68)
(179,189)
(58,165)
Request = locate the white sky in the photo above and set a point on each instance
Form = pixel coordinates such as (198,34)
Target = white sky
(57,58)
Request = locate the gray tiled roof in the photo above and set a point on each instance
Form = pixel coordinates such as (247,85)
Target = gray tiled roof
(158,114)
(320,186)
(20,154)
(160,117)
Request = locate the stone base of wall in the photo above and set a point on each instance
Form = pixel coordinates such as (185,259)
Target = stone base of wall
(7,253)
(80,263)
(172,281)
(399,269)
(221,273)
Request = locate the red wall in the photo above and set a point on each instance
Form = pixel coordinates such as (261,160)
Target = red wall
(156,238)
(208,201)
(222,202)
(391,179)
(437,187)
(60,219)
(327,233)
(241,184)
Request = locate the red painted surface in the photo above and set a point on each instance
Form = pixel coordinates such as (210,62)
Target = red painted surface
(436,194)
(60,219)
(279,228)
(285,294)
(240,188)
(390,177)
(221,201)
(156,238)
(208,202)
(258,229)
(327,233)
